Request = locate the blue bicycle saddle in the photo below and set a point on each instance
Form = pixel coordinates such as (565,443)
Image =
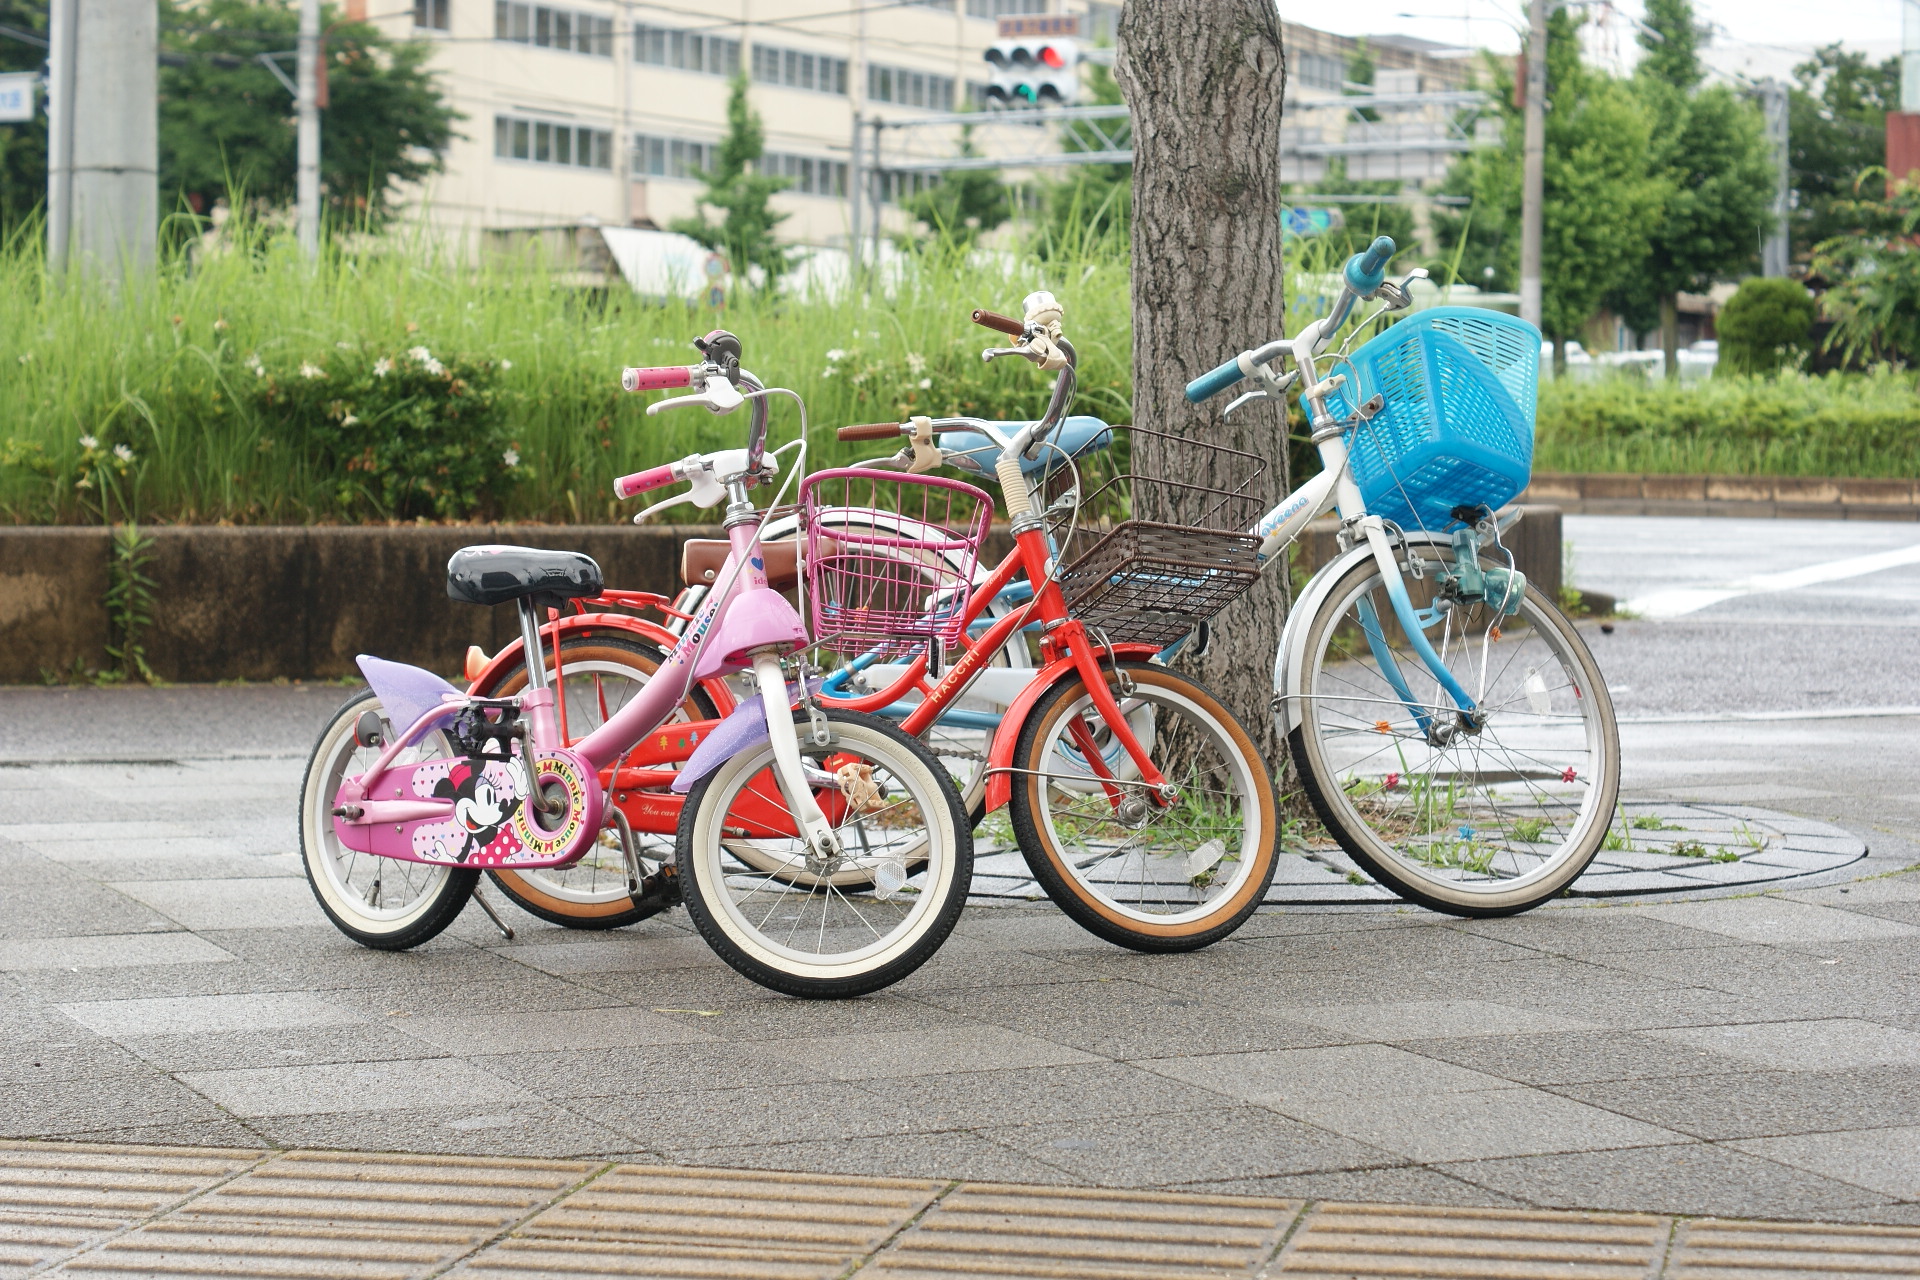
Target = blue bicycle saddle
(1075,436)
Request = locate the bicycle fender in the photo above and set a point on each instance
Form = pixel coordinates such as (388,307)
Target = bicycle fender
(1290,658)
(652,633)
(1006,738)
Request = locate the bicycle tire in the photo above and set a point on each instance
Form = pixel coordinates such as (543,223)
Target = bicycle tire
(1062,839)
(1481,841)
(708,886)
(441,892)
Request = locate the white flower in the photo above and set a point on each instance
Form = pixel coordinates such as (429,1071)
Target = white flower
(916,362)
(253,363)
(349,421)
(828,372)
(836,355)
(511,457)
(309,370)
(88,442)
(123,453)
(344,346)
(25,358)
(926,384)
(425,359)
(506,364)
(382,367)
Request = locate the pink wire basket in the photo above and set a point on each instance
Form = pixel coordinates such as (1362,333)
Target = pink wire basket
(890,557)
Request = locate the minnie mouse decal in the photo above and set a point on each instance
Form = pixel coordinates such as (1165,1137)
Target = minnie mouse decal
(478,805)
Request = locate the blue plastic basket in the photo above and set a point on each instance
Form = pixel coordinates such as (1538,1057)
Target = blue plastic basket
(1457,428)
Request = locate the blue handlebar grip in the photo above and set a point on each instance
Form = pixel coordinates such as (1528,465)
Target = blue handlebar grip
(1366,271)
(1213,383)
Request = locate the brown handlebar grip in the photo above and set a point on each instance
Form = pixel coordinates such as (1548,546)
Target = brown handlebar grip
(1012,328)
(871,431)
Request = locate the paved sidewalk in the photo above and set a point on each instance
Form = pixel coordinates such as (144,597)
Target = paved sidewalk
(90,1209)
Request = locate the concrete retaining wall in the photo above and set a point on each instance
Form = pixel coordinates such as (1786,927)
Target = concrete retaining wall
(299,603)
(1806,497)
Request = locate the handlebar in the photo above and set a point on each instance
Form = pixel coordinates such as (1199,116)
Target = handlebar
(1214,381)
(641,481)
(657,379)
(1365,271)
(870,431)
(993,320)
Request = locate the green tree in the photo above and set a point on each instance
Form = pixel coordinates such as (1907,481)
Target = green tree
(1875,297)
(1599,193)
(1836,129)
(1095,203)
(965,202)
(1708,146)
(1764,326)
(740,195)
(226,122)
(23,147)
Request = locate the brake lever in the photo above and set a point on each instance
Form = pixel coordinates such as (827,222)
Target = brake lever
(994,353)
(1399,297)
(1272,385)
(717,397)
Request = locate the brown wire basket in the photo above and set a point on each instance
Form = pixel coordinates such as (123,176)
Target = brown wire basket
(1150,581)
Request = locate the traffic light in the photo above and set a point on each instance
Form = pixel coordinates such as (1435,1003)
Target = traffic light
(1034,72)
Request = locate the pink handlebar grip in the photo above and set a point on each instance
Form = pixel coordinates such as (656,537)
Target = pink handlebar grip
(656,379)
(641,481)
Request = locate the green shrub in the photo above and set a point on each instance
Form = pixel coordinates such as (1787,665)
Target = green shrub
(1764,327)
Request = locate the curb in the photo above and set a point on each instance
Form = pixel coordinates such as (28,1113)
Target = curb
(1785,497)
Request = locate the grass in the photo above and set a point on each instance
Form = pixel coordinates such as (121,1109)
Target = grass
(147,405)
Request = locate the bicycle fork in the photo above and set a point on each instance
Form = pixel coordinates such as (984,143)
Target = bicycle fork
(788,770)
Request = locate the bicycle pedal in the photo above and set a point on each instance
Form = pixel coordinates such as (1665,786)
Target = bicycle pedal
(658,892)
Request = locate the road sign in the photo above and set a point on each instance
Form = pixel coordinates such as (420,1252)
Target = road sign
(16,97)
(1063,26)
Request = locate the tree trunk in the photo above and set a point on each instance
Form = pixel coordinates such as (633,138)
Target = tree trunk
(1203,81)
(1670,333)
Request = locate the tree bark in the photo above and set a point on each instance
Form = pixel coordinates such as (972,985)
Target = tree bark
(1203,81)
(1670,333)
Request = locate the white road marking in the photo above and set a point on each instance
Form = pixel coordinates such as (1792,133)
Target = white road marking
(1676,601)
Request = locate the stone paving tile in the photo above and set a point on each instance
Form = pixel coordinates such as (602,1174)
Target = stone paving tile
(495,993)
(227,904)
(54,1108)
(621,952)
(109,951)
(634,1069)
(360,1042)
(495,1033)
(480,1125)
(1886,1160)
(1400,1184)
(332,1088)
(223,1132)
(1433,1128)
(1760,1104)
(1042,1095)
(73,1054)
(125,869)
(208,1015)
(1829,1044)
(55,903)
(1121,1019)
(222,978)
(1695,1179)
(1421,1019)
(1289,1079)
(1579,931)
(714,1115)
(1572,1057)
(760,1016)
(968,964)
(939,1155)
(888,1054)
(1774,919)
(1188,1146)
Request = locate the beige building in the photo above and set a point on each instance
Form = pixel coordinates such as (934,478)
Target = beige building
(600,111)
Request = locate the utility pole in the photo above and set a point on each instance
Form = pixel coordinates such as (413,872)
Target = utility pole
(1774,250)
(103,136)
(1534,177)
(307,97)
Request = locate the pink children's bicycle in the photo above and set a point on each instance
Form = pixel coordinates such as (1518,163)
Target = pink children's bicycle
(821,852)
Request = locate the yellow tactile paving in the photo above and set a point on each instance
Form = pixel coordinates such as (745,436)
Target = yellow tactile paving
(647,1220)
(306,1215)
(324,1214)
(57,1197)
(1356,1241)
(1715,1250)
(988,1230)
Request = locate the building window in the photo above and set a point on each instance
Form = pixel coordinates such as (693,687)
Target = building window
(909,88)
(796,69)
(1319,71)
(895,187)
(546,142)
(807,175)
(685,50)
(430,15)
(1004,8)
(550,28)
(670,157)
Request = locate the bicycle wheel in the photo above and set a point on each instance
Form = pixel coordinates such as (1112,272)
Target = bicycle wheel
(386,903)
(804,934)
(601,674)
(1133,867)
(1488,821)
